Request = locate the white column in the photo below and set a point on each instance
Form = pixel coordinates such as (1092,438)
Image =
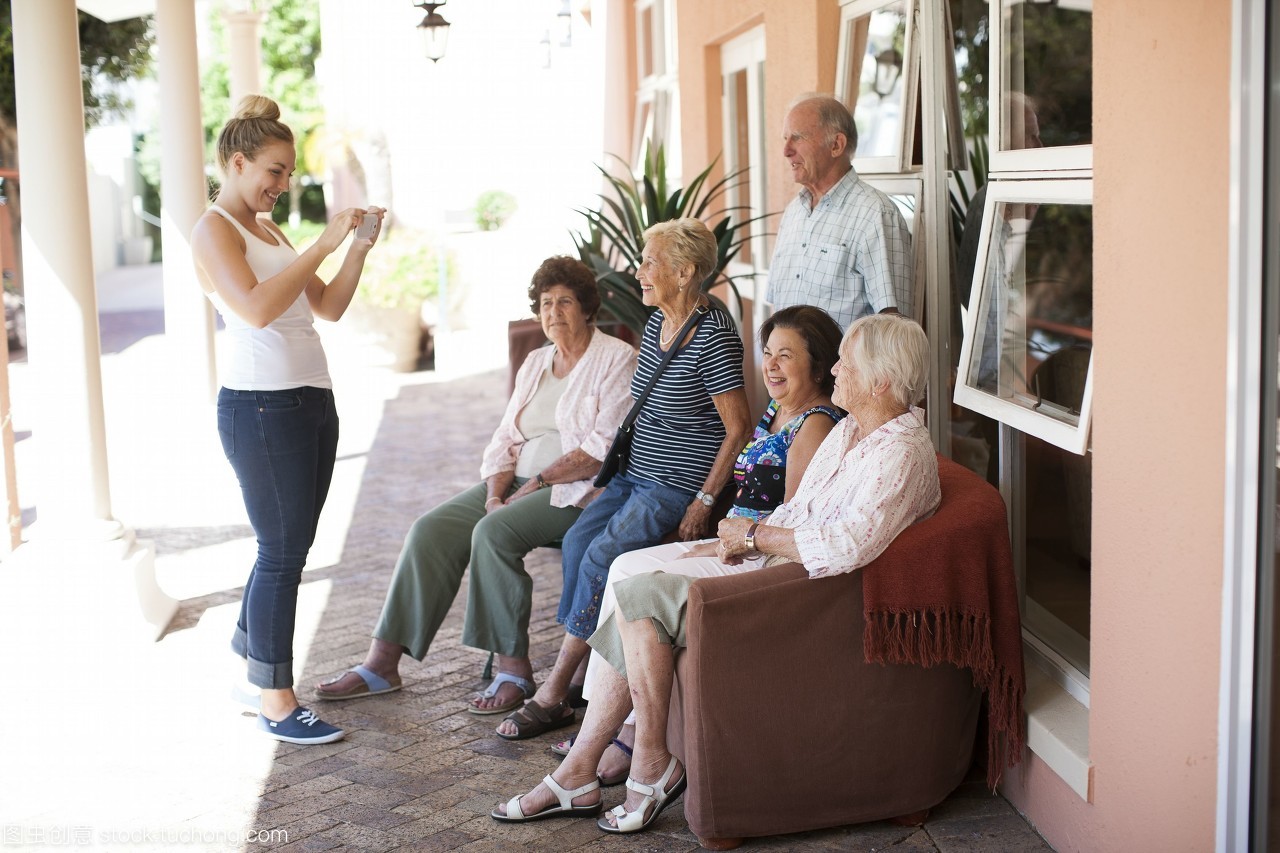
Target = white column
(188,315)
(82,564)
(62,310)
(244,44)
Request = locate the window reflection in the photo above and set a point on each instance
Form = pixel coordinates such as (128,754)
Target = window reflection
(1057,503)
(1034,330)
(1048,56)
(874,77)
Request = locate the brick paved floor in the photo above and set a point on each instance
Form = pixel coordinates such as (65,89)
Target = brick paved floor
(168,760)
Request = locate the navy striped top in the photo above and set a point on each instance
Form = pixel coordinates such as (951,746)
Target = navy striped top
(678,432)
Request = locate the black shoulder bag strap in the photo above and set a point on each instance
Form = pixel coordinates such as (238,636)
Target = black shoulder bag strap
(698,313)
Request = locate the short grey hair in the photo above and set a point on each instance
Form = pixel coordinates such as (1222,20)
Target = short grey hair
(833,117)
(893,349)
(687,241)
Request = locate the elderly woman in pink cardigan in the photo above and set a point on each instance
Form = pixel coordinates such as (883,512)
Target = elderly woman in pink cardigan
(536,475)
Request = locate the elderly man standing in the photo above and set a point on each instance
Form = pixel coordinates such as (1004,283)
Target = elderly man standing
(842,244)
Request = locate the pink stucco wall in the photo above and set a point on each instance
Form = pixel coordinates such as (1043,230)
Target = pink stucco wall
(800,49)
(1161,75)
(1161,89)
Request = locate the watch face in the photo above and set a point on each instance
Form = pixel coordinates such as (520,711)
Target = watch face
(707,500)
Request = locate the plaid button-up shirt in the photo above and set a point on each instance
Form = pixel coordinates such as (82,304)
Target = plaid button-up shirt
(849,255)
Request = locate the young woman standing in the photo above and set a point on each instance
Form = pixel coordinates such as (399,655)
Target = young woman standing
(276,415)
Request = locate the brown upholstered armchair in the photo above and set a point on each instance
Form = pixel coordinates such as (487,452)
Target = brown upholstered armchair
(784,725)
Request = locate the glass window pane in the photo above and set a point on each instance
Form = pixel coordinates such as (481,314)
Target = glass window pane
(873,76)
(971,36)
(1047,74)
(1033,331)
(973,436)
(1056,496)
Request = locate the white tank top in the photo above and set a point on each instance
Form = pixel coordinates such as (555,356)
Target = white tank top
(287,353)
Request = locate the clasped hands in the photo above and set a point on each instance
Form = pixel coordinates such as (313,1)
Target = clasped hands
(730,546)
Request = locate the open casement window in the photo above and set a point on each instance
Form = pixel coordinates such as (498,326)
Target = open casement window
(653,111)
(878,79)
(1028,333)
(1043,119)
(908,193)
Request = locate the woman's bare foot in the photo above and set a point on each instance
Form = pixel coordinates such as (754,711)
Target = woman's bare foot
(509,695)
(615,764)
(543,698)
(383,660)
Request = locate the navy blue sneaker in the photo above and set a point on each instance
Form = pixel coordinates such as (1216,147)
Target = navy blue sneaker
(302,726)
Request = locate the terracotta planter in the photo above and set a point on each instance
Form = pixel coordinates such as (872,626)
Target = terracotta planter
(384,337)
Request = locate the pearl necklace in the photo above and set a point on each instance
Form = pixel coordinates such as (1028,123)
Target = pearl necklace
(666,341)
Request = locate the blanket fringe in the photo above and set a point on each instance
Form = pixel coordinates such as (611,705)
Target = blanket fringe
(939,635)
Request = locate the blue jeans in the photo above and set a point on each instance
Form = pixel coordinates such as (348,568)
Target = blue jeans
(282,446)
(627,515)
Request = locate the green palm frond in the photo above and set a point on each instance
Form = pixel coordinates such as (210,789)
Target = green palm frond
(613,238)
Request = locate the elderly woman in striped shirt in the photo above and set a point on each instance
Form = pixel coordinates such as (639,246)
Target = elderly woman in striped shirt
(874,475)
(685,440)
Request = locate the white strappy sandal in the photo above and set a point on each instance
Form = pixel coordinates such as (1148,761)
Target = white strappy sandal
(656,798)
(565,809)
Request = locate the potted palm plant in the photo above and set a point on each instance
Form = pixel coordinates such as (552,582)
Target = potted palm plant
(613,237)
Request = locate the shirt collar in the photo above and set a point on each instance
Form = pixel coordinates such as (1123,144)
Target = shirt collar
(837,193)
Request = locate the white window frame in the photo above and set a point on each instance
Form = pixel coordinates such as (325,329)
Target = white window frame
(1059,157)
(657,94)
(849,68)
(1068,436)
(746,53)
(913,188)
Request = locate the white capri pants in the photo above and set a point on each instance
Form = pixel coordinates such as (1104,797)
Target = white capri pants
(666,558)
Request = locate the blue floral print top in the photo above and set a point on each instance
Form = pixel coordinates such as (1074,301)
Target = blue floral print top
(761,468)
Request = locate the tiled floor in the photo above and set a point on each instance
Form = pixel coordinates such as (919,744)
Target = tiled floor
(144,748)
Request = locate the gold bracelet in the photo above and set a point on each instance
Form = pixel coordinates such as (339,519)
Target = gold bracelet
(751,536)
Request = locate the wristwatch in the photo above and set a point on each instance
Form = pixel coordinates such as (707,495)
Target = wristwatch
(707,500)
(750,539)
(542,484)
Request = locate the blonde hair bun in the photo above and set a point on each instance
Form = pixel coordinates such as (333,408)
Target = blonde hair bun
(257,106)
(255,124)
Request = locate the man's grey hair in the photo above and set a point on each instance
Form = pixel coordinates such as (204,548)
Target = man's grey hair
(833,117)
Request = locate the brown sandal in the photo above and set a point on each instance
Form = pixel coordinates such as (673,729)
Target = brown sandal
(533,719)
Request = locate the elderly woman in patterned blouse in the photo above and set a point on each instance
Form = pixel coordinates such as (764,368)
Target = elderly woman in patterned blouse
(874,475)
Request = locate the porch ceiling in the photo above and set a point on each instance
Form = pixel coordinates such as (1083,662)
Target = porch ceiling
(116,10)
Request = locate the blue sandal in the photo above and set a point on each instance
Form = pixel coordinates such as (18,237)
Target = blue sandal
(527,689)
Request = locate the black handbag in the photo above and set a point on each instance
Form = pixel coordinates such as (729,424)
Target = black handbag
(620,451)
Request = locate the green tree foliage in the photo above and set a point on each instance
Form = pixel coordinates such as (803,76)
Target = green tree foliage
(109,54)
(290,48)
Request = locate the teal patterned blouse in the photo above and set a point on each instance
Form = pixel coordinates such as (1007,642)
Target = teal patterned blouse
(760,471)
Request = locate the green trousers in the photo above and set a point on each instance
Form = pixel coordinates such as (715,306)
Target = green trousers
(435,556)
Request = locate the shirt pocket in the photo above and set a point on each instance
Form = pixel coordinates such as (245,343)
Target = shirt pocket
(830,260)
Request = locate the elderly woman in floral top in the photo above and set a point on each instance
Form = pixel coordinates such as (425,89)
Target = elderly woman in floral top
(874,475)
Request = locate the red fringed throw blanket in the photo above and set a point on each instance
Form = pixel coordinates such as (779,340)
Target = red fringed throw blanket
(958,604)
